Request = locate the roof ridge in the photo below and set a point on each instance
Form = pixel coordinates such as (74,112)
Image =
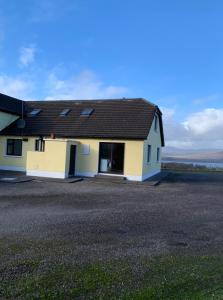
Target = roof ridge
(90,100)
(93,100)
(148,102)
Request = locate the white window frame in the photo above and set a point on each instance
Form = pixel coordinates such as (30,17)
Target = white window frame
(40,146)
(6,148)
(149,153)
(158,154)
(156,121)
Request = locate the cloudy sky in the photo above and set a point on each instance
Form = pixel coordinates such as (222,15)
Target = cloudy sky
(170,52)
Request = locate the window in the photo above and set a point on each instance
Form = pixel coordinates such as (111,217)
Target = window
(158,155)
(156,123)
(35,112)
(14,147)
(40,145)
(87,112)
(148,153)
(65,112)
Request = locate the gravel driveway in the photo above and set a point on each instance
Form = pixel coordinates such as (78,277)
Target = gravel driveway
(96,220)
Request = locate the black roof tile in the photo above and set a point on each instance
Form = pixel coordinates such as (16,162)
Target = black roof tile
(119,119)
(10,105)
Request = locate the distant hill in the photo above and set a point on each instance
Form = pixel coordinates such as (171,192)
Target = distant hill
(173,154)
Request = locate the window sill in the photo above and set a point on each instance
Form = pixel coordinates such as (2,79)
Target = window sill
(16,156)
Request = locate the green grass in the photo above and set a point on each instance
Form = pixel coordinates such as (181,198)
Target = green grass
(179,277)
(187,167)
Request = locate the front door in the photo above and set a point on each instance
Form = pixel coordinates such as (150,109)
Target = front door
(111,158)
(72,160)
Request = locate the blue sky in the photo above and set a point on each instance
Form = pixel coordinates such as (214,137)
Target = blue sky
(170,52)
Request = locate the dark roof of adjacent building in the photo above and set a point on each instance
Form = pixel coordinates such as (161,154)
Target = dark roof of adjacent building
(118,119)
(10,105)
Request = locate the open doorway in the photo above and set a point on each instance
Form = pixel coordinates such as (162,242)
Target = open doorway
(72,160)
(111,158)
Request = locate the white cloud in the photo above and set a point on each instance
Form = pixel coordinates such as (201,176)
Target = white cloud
(200,130)
(49,86)
(86,85)
(27,55)
(14,86)
(208,121)
(168,113)
(175,133)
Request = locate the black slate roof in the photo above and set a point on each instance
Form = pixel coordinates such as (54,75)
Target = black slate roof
(118,119)
(10,105)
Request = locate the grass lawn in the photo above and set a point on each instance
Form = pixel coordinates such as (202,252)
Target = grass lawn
(172,277)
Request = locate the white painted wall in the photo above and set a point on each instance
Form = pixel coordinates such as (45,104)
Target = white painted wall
(154,139)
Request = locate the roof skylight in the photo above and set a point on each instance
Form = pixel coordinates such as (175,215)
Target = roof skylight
(87,112)
(65,112)
(35,112)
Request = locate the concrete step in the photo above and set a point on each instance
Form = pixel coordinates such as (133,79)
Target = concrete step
(110,177)
(58,180)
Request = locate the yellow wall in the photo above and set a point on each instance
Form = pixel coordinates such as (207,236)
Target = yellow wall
(54,162)
(154,139)
(88,164)
(6,119)
(15,162)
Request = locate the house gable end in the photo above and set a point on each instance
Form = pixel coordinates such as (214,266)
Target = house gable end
(6,119)
(157,128)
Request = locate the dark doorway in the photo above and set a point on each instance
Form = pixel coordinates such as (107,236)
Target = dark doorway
(72,160)
(111,158)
